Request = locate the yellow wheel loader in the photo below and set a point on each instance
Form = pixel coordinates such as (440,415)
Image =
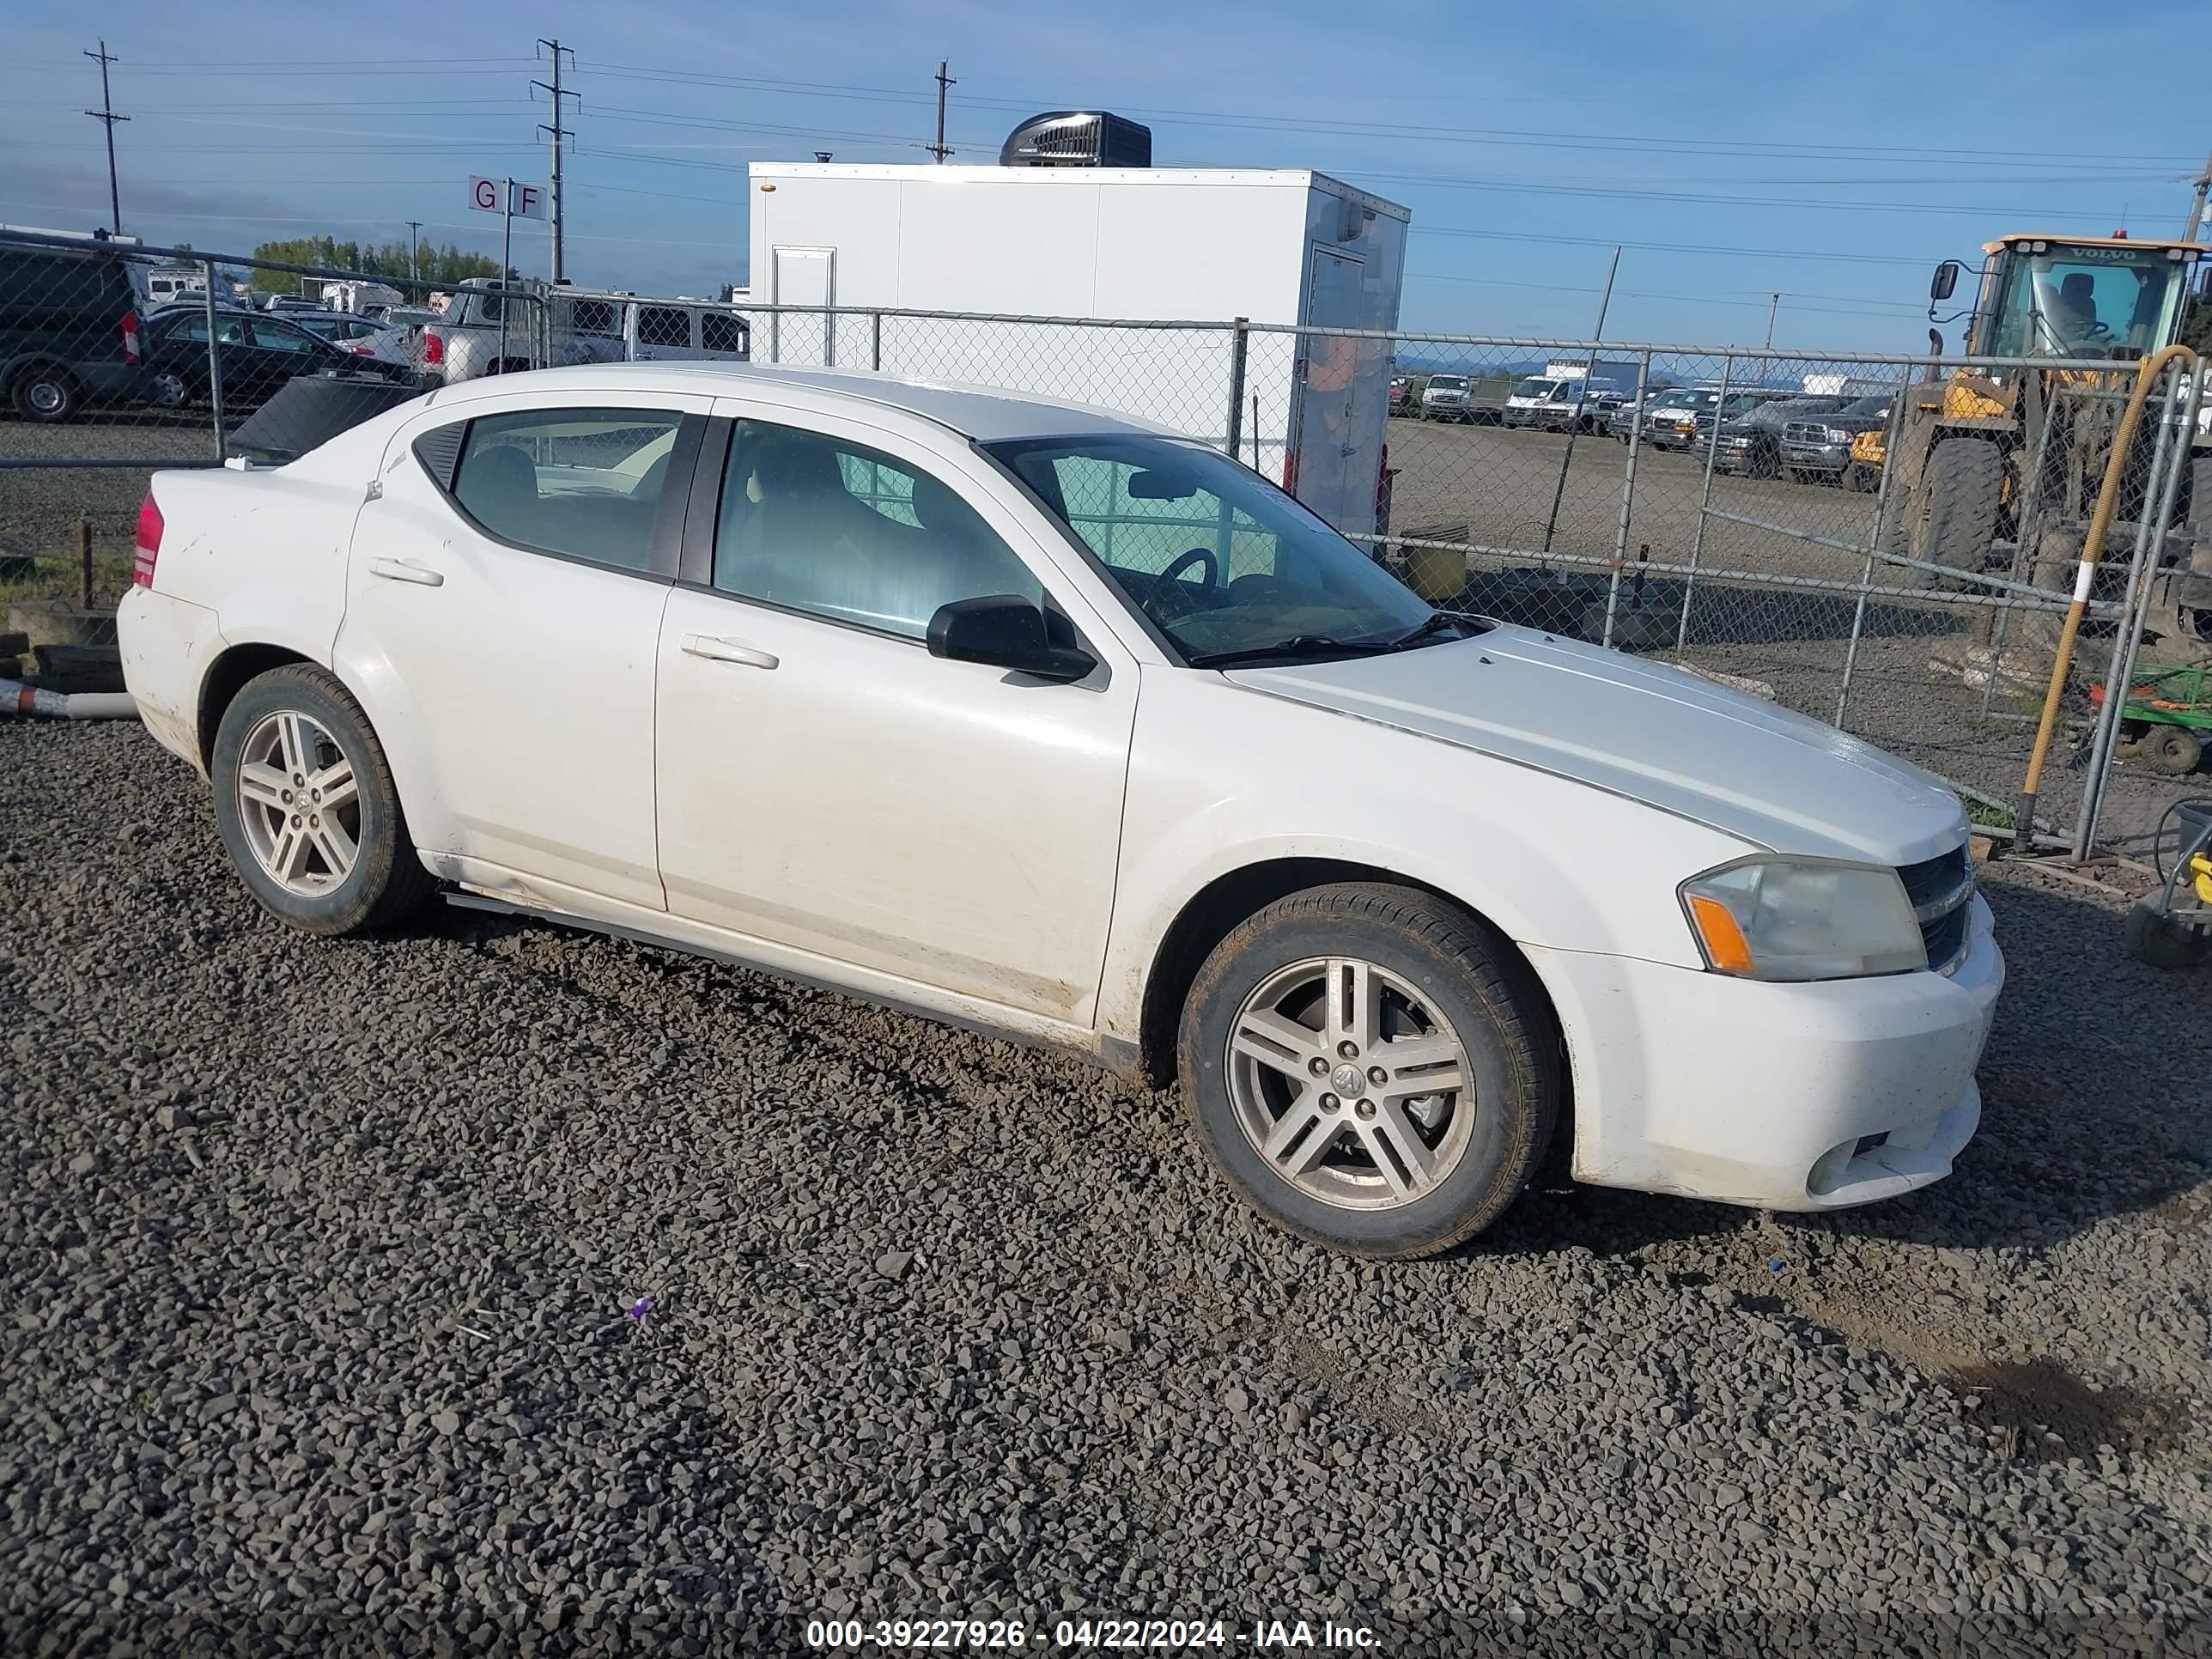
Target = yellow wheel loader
(2002,465)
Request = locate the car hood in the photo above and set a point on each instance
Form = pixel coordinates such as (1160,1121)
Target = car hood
(1646,731)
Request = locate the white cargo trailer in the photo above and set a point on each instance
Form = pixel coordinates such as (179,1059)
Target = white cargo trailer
(1148,244)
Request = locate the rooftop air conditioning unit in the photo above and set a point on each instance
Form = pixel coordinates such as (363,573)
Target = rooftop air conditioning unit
(1078,138)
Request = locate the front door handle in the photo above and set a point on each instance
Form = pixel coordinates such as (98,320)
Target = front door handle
(399,570)
(720,650)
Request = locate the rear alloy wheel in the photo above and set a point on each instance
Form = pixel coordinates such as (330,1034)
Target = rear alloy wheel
(45,393)
(1370,1068)
(306,804)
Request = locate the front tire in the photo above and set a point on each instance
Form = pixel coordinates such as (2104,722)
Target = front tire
(306,808)
(45,393)
(1956,506)
(1371,1067)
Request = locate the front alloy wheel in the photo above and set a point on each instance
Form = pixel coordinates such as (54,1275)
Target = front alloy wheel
(1350,1084)
(1372,1066)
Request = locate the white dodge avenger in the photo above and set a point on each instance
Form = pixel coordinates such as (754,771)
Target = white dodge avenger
(1037,719)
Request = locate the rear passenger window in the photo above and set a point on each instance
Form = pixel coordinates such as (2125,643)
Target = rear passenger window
(663,325)
(835,529)
(585,483)
(721,334)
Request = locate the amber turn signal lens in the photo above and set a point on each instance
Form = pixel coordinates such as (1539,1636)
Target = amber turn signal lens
(1725,947)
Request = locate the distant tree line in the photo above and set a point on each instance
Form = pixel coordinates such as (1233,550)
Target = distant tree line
(442,266)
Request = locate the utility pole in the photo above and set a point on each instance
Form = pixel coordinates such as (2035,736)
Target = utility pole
(1773,304)
(1589,377)
(2196,205)
(940,149)
(105,114)
(413,226)
(557,131)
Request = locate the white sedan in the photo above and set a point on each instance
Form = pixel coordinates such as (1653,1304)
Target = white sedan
(1038,719)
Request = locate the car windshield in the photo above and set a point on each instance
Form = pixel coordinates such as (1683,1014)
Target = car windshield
(1228,569)
(1448,382)
(1878,405)
(1534,389)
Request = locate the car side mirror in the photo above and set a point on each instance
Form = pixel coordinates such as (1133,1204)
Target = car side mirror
(1946,279)
(1004,630)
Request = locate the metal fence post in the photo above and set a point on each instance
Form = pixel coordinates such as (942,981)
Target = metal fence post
(1627,496)
(876,341)
(1704,503)
(2161,490)
(1875,532)
(214,364)
(1240,340)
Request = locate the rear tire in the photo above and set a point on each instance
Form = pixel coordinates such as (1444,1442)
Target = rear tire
(294,737)
(1299,1124)
(1956,506)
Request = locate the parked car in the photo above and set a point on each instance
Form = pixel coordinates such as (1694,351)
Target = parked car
(1563,404)
(1751,443)
(339,328)
(491,327)
(666,330)
(1659,408)
(1445,398)
(70,321)
(1818,448)
(1400,389)
(1685,425)
(259,353)
(975,704)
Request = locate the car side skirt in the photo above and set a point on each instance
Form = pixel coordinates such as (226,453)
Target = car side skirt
(670,933)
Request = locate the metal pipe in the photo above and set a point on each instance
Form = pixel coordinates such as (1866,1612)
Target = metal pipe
(876,341)
(1873,542)
(2002,584)
(1589,377)
(2100,522)
(1627,500)
(2031,598)
(1704,503)
(214,364)
(2150,550)
(1239,342)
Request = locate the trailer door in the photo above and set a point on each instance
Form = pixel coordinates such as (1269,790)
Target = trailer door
(804,276)
(1327,478)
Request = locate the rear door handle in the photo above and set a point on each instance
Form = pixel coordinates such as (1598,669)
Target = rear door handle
(720,650)
(399,570)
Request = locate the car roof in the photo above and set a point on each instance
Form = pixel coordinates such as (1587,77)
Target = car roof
(986,414)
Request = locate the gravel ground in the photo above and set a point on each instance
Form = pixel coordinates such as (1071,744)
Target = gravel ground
(315,1260)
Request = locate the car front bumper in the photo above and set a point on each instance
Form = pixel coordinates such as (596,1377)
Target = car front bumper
(1816,458)
(1812,1097)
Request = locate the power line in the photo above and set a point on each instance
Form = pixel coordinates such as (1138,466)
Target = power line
(107,118)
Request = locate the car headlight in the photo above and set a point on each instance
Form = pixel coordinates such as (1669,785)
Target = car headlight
(1801,919)
(1835,435)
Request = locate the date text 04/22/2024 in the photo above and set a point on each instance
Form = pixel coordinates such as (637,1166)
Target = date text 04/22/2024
(1106,1634)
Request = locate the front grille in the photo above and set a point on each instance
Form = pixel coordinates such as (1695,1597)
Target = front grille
(1801,432)
(1939,890)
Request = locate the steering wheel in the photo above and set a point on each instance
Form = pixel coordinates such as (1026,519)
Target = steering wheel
(1181,562)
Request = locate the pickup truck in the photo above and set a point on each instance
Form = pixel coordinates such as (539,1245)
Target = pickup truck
(491,327)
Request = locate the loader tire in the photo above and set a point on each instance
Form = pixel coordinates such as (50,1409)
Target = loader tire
(1955,508)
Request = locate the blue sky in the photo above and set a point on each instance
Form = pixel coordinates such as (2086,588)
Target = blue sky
(1830,150)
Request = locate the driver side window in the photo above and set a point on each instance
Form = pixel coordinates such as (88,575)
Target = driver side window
(1141,536)
(839,531)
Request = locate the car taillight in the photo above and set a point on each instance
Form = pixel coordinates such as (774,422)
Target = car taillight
(1291,473)
(130,326)
(434,347)
(149,546)
(360,350)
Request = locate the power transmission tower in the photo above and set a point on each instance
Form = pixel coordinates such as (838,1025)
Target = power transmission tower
(558,131)
(940,149)
(107,115)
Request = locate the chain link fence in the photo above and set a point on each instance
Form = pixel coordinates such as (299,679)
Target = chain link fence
(1883,544)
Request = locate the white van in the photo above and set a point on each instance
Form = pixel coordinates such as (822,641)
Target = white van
(165,284)
(660,331)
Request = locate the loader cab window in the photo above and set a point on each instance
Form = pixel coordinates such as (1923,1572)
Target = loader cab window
(2080,302)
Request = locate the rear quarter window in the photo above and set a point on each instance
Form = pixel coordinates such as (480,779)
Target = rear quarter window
(663,325)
